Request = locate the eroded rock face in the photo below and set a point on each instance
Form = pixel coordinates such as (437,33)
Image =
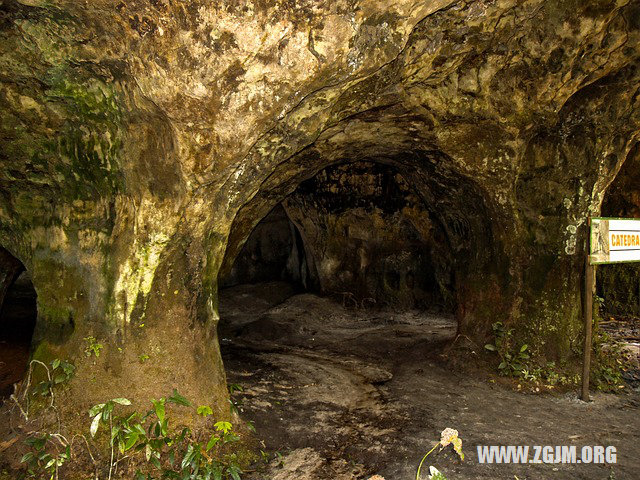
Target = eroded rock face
(370,237)
(10,268)
(143,141)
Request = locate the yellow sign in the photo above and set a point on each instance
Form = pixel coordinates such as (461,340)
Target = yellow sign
(614,240)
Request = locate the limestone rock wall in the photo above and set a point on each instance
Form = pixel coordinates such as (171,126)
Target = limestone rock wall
(142,141)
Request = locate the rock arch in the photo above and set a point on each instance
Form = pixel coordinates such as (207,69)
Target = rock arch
(134,154)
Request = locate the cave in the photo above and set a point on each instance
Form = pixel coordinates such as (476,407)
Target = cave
(18,313)
(274,251)
(355,209)
(618,285)
(357,232)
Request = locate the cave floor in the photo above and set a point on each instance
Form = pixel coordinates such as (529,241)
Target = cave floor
(343,393)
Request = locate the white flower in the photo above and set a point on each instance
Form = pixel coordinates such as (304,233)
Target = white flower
(434,474)
(447,436)
(450,436)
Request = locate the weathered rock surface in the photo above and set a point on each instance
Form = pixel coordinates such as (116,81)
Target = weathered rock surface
(370,237)
(141,142)
(10,268)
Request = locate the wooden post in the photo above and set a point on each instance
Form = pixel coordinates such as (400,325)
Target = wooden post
(587,303)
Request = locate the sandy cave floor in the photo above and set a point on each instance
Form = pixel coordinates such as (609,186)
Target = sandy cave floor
(345,394)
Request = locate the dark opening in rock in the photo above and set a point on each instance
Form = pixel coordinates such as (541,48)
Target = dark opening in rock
(619,284)
(18,315)
(274,251)
(371,237)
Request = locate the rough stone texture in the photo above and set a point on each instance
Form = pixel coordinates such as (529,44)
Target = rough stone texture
(370,237)
(141,142)
(10,268)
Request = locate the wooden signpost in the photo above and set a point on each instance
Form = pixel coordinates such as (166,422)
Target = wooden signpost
(611,240)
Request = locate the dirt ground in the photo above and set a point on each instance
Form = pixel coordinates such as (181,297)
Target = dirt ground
(341,394)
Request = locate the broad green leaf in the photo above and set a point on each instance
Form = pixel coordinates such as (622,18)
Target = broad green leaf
(156,463)
(179,399)
(122,401)
(204,410)
(223,427)
(158,406)
(106,411)
(132,438)
(27,457)
(212,441)
(490,347)
(523,348)
(94,425)
(55,364)
(251,427)
(95,409)
(235,472)
(187,457)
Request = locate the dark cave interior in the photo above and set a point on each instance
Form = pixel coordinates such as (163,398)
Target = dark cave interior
(619,284)
(18,315)
(357,231)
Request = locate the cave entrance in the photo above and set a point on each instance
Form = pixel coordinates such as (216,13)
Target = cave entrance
(273,252)
(357,234)
(619,284)
(18,314)
(377,307)
(371,240)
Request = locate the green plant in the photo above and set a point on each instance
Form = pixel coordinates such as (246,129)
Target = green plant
(204,411)
(143,358)
(435,474)
(42,462)
(93,347)
(60,372)
(235,405)
(513,359)
(609,362)
(169,454)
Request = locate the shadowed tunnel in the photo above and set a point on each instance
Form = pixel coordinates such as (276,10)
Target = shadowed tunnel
(401,232)
(361,179)
(18,313)
(362,233)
